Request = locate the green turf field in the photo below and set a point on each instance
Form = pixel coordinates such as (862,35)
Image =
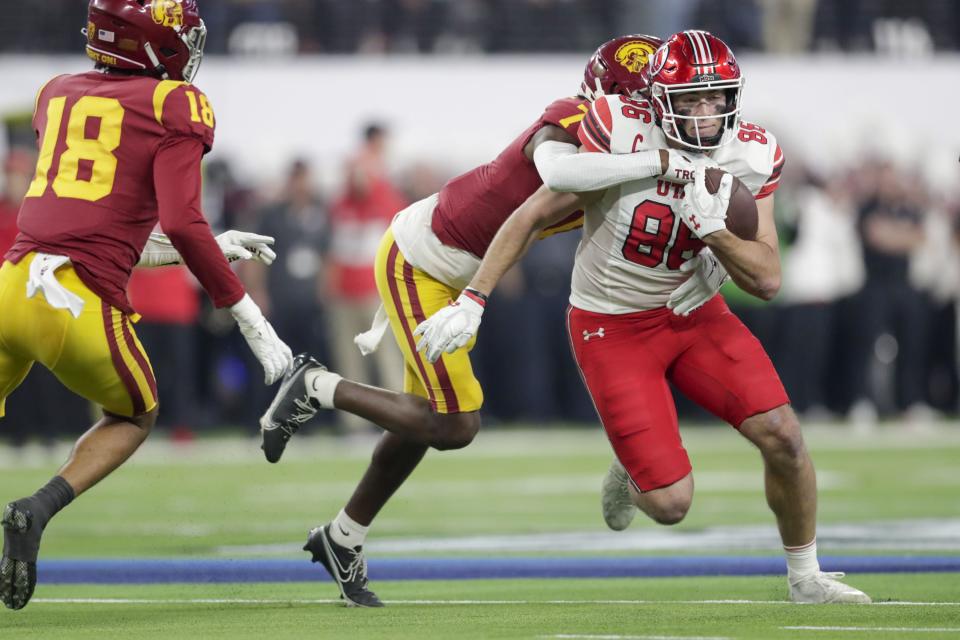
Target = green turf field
(218,499)
(621,608)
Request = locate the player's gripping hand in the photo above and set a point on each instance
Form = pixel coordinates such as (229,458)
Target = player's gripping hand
(703,212)
(270,350)
(707,278)
(240,245)
(452,327)
(682,165)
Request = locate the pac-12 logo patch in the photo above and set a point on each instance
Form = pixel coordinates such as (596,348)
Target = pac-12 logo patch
(167,13)
(634,55)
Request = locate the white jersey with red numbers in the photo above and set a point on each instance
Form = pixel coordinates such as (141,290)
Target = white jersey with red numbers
(634,240)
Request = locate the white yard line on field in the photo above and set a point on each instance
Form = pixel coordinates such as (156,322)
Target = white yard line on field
(257,601)
(583,636)
(910,629)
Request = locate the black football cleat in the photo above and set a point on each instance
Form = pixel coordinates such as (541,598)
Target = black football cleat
(347,566)
(291,407)
(18,567)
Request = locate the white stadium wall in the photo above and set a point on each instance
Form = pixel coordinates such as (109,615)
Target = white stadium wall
(456,112)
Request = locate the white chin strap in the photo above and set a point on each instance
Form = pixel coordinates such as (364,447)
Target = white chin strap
(155,61)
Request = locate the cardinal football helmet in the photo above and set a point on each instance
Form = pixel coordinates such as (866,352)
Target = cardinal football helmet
(162,37)
(692,61)
(619,66)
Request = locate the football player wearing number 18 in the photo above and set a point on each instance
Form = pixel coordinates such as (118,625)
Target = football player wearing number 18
(430,252)
(626,342)
(120,150)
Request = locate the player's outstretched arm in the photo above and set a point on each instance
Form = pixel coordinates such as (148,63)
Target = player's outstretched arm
(176,176)
(455,325)
(235,245)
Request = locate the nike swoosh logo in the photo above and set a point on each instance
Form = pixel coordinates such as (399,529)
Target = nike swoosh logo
(313,385)
(346,534)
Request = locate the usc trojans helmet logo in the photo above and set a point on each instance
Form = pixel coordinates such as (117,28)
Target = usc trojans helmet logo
(634,55)
(167,13)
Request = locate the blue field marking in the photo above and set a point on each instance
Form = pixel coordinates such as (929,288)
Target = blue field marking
(143,571)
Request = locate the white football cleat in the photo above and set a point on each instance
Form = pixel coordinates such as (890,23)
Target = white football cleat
(615,501)
(825,588)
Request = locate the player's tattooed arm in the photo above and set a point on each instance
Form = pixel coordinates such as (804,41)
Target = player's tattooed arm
(753,265)
(521,229)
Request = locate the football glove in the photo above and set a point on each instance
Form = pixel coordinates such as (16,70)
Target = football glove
(682,165)
(452,327)
(240,245)
(270,350)
(707,276)
(703,212)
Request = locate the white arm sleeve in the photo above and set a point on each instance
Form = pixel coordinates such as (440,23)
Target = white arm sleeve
(159,252)
(562,168)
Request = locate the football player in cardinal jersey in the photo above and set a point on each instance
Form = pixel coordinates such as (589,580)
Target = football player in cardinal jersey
(120,150)
(638,240)
(426,258)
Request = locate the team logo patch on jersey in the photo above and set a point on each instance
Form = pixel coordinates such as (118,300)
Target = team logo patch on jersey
(634,55)
(167,13)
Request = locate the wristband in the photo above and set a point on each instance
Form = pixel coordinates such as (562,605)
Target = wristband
(476,296)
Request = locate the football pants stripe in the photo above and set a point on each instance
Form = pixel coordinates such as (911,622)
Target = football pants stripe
(451,405)
(394,260)
(118,361)
(139,355)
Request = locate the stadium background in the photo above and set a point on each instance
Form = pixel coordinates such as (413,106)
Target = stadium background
(860,94)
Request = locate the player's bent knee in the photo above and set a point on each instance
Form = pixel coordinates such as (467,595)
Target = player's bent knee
(777,432)
(455,430)
(668,512)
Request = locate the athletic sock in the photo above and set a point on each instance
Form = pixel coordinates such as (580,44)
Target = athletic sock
(39,509)
(321,384)
(802,560)
(347,532)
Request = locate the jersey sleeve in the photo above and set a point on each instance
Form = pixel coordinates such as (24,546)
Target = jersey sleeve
(616,124)
(773,181)
(597,126)
(184,111)
(567,113)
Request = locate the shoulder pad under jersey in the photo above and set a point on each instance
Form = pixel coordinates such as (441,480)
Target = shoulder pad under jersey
(182,109)
(753,156)
(617,124)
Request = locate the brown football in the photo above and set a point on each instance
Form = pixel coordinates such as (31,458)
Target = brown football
(742,210)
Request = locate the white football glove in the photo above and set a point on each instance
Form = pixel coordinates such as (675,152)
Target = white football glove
(707,278)
(240,245)
(682,165)
(271,351)
(702,211)
(450,328)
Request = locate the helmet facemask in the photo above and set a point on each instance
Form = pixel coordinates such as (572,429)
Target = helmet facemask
(194,39)
(672,121)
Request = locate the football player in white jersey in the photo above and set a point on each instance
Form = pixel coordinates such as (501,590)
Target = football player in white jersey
(639,240)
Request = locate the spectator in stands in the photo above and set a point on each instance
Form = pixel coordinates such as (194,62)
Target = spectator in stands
(823,267)
(290,292)
(358,219)
(17,172)
(890,224)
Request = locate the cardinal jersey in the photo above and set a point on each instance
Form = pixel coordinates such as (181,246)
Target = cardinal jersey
(104,140)
(472,207)
(634,240)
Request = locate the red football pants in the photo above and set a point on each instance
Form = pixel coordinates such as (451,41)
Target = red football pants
(626,361)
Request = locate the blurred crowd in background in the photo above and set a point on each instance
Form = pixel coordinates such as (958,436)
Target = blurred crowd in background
(865,326)
(278,27)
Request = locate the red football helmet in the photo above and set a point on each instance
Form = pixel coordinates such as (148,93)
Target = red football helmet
(164,37)
(692,61)
(619,66)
